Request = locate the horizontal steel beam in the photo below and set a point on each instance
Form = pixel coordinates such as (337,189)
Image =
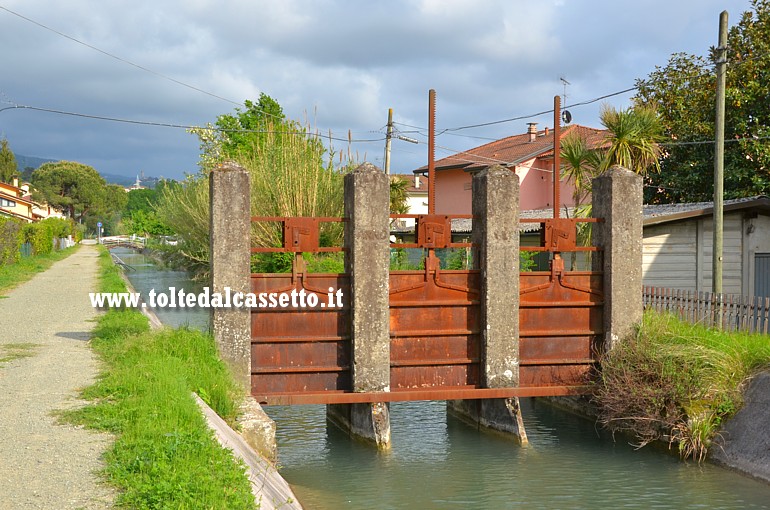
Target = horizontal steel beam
(470,393)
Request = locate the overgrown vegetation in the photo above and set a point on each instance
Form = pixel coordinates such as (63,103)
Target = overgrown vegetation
(677,382)
(12,275)
(164,455)
(291,173)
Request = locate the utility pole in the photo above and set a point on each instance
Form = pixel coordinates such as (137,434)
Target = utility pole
(556,155)
(388,137)
(719,156)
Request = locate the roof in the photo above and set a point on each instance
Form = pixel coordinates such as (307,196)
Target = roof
(665,213)
(15,198)
(411,189)
(514,149)
(465,225)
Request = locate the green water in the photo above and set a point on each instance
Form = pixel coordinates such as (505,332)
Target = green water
(438,462)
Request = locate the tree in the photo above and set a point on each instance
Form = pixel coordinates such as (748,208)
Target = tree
(683,94)
(73,187)
(8,167)
(291,173)
(240,132)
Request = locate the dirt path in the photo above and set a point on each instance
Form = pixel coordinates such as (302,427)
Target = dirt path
(44,361)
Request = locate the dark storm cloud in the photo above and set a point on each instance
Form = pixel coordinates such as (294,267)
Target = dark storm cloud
(339,64)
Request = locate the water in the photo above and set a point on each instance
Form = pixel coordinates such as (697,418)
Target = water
(148,275)
(439,462)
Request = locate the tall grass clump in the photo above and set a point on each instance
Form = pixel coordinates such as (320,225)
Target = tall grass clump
(291,174)
(677,382)
(164,455)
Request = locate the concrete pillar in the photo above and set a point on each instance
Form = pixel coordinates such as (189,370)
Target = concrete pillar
(230,254)
(617,198)
(367,260)
(496,231)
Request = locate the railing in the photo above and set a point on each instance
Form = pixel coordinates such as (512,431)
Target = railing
(729,312)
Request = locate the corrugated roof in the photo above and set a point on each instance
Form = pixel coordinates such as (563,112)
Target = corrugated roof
(664,213)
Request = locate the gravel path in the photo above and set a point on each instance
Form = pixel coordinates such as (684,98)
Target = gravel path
(44,327)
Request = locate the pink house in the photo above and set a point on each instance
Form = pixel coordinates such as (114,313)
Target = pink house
(530,155)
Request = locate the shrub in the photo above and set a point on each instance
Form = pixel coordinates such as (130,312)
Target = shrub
(10,240)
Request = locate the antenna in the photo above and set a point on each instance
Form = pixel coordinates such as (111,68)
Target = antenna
(565,82)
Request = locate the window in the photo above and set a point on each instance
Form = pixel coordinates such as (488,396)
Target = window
(7,203)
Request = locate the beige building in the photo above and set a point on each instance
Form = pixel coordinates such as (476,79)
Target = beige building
(678,240)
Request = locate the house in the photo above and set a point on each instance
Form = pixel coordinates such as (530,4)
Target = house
(13,204)
(416,198)
(678,240)
(530,155)
(40,210)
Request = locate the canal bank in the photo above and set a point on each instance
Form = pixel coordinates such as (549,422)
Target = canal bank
(439,462)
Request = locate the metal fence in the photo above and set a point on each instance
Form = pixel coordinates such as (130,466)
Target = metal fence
(730,312)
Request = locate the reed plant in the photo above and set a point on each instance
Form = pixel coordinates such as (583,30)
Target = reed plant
(677,382)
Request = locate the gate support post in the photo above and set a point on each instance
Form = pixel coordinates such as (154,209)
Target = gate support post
(229,261)
(496,231)
(617,197)
(367,261)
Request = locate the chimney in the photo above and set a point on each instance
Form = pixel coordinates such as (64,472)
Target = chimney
(545,132)
(16,182)
(532,130)
(417,181)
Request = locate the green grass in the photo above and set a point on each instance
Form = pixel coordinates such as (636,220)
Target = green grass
(12,275)
(10,352)
(677,381)
(164,455)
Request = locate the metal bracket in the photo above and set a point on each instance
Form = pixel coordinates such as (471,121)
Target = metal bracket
(300,234)
(560,235)
(434,230)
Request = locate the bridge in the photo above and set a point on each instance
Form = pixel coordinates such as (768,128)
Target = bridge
(132,242)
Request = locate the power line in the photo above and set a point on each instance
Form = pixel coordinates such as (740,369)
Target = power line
(121,59)
(181,126)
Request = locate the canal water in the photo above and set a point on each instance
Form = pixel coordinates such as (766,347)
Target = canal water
(439,462)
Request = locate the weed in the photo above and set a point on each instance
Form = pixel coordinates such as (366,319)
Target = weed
(164,455)
(677,380)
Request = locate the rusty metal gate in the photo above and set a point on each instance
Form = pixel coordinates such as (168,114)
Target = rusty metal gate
(302,355)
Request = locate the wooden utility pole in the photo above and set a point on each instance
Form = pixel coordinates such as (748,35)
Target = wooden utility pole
(388,138)
(719,156)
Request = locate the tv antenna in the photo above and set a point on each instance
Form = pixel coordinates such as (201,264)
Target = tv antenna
(565,83)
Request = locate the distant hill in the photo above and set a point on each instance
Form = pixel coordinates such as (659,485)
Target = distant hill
(23,162)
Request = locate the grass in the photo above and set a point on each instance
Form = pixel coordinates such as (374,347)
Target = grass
(10,352)
(164,455)
(677,381)
(12,275)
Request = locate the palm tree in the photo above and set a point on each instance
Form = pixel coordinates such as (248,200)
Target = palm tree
(631,142)
(579,163)
(633,138)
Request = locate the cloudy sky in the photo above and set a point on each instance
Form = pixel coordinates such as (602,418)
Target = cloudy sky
(339,64)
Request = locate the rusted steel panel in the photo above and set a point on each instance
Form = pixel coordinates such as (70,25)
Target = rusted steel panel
(554,375)
(278,383)
(434,329)
(298,349)
(557,349)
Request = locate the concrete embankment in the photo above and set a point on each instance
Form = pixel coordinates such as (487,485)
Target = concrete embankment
(744,442)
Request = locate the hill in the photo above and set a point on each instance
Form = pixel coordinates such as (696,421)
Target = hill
(24,162)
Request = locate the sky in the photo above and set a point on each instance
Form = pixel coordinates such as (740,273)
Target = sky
(336,64)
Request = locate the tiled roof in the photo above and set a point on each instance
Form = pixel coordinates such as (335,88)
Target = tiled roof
(515,149)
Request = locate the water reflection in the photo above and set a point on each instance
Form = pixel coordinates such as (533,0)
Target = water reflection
(440,462)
